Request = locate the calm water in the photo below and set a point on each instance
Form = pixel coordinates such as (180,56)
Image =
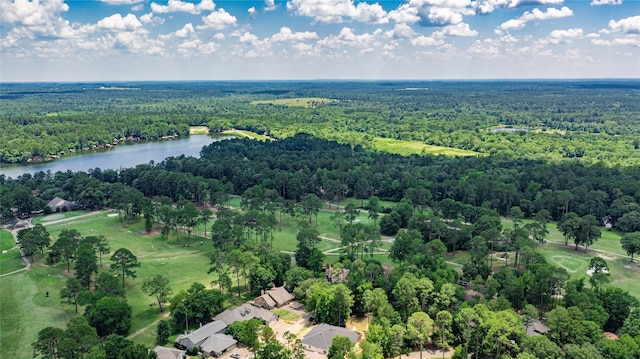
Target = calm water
(121,156)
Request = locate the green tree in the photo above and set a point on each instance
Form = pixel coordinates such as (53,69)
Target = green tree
(163,332)
(69,294)
(340,347)
(86,264)
(48,342)
(110,316)
(158,287)
(310,206)
(123,261)
(67,245)
(33,240)
(443,323)
(351,212)
(419,326)
(631,243)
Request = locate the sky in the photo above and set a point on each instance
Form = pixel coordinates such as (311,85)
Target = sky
(131,40)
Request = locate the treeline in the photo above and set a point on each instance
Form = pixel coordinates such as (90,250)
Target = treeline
(593,121)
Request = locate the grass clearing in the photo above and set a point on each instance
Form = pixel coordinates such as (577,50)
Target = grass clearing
(247,134)
(198,130)
(10,258)
(286,315)
(57,216)
(310,102)
(406,148)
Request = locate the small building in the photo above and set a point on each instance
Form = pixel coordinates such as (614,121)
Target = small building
(209,339)
(336,275)
(275,297)
(18,223)
(319,339)
(169,353)
(246,312)
(58,204)
(536,328)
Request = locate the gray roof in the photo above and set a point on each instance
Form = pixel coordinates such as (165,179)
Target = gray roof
(280,295)
(322,335)
(245,312)
(217,344)
(59,203)
(536,328)
(168,353)
(198,336)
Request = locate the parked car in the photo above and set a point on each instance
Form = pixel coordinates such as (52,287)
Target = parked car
(235,355)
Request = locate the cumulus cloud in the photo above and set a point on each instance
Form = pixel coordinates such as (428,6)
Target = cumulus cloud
(630,25)
(182,6)
(400,31)
(218,20)
(347,37)
(186,31)
(488,6)
(533,15)
(286,34)
(329,11)
(564,36)
(37,17)
(116,22)
(196,47)
(427,41)
(150,19)
(461,29)
(405,13)
(606,2)
(253,12)
(122,2)
(270,5)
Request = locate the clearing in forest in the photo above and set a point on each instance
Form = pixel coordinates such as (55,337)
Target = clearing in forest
(405,148)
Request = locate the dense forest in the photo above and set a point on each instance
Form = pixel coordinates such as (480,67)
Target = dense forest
(547,153)
(591,120)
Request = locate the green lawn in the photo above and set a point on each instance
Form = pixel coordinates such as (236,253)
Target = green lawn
(403,147)
(56,216)
(247,134)
(10,259)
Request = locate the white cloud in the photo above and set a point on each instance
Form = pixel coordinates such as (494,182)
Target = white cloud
(286,34)
(186,31)
(488,6)
(253,12)
(606,2)
(629,40)
(347,37)
(219,36)
(400,31)
(270,5)
(427,41)
(564,36)
(182,6)
(404,14)
(196,47)
(122,2)
(444,16)
(148,18)
(329,11)
(40,18)
(485,48)
(533,15)
(461,29)
(116,22)
(138,7)
(630,25)
(218,20)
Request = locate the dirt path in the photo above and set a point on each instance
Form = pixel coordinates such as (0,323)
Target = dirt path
(144,329)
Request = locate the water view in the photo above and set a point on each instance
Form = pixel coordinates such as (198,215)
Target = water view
(121,156)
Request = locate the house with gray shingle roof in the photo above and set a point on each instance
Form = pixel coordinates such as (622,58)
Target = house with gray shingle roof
(209,339)
(58,204)
(246,312)
(319,338)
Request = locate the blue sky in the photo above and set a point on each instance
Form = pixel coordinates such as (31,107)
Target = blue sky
(124,40)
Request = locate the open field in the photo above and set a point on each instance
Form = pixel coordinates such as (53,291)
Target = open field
(247,134)
(297,102)
(198,130)
(405,148)
(10,259)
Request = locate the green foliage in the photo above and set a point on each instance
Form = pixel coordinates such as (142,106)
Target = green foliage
(109,316)
(158,287)
(123,261)
(340,346)
(162,332)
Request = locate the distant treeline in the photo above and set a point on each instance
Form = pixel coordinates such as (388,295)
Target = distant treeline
(590,120)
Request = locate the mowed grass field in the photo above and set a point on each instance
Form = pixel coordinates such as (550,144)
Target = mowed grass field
(10,259)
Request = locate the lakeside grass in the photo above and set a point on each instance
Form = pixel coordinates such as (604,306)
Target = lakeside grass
(295,102)
(247,134)
(198,130)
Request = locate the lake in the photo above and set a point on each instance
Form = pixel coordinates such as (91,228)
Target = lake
(120,156)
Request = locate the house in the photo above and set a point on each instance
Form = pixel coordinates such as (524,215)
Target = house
(209,339)
(169,353)
(336,275)
(58,204)
(275,297)
(536,328)
(319,338)
(246,312)
(17,223)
